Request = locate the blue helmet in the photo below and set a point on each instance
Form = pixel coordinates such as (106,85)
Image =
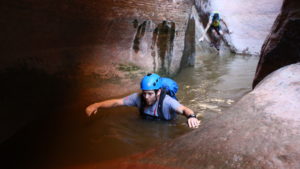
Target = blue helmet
(151,82)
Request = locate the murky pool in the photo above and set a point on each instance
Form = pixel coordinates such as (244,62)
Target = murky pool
(215,83)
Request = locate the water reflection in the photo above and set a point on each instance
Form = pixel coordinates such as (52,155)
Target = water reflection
(216,82)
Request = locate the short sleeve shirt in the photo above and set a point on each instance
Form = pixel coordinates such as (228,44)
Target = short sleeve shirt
(169,105)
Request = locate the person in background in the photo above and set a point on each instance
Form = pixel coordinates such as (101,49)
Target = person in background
(214,25)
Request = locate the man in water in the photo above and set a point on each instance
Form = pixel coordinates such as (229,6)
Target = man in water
(153,103)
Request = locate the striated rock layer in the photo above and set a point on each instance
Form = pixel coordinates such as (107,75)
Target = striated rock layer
(46,35)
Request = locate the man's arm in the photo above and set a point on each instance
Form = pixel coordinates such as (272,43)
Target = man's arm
(93,108)
(224,22)
(226,30)
(193,122)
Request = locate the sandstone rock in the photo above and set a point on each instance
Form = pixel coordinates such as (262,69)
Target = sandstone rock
(281,48)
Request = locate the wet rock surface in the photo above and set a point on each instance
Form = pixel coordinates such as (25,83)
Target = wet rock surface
(281,48)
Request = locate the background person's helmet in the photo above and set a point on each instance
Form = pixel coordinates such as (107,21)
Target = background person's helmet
(216,15)
(151,82)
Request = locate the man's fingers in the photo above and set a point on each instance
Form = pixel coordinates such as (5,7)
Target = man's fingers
(189,123)
(88,111)
(91,110)
(193,123)
(95,111)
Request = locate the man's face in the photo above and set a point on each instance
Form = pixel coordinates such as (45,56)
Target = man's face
(150,96)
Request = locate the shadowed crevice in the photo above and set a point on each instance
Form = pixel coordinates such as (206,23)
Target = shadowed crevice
(139,35)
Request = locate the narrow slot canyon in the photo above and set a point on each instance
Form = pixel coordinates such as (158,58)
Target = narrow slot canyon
(58,57)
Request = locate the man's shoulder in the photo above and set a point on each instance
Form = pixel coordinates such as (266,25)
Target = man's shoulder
(170,103)
(132,97)
(134,94)
(169,99)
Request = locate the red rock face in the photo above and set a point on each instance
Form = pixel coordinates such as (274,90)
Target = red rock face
(281,48)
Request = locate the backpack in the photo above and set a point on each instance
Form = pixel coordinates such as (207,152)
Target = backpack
(169,87)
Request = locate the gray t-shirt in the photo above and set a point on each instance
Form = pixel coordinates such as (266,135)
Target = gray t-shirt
(169,105)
